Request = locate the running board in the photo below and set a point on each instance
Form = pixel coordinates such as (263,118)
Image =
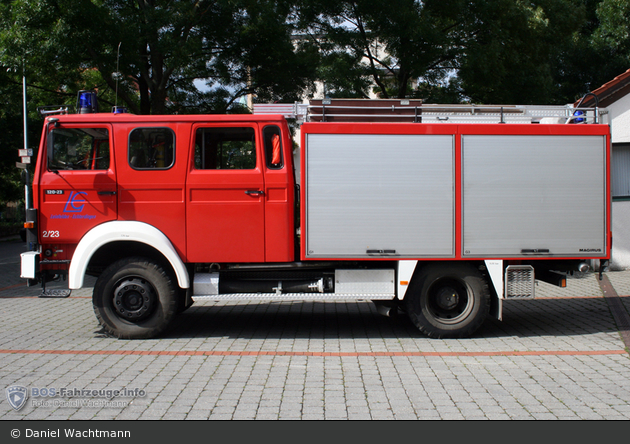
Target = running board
(295,297)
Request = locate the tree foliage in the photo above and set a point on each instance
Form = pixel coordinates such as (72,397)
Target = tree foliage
(234,46)
(488,51)
(12,136)
(389,47)
(512,58)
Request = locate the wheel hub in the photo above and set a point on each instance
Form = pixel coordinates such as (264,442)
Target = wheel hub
(134,299)
(447,298)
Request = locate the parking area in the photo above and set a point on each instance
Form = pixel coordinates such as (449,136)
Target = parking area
(560,356)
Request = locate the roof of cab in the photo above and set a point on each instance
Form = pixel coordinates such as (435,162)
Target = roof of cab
(173,118)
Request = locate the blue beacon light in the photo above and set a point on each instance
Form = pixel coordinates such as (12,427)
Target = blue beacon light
(87,102)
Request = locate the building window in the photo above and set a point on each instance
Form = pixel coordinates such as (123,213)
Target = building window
(620,170)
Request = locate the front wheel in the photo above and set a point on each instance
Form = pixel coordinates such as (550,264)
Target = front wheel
(448,300)
(135,298)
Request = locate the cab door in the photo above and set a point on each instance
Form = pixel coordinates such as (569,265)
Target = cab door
(77,185)
(225,195)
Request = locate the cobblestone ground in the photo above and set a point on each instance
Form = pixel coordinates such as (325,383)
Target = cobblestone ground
(560,356)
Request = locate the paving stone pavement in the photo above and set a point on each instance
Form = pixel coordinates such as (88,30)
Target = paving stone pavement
(559,356)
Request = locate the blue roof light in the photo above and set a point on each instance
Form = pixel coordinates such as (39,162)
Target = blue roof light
(578,119)
(87,102)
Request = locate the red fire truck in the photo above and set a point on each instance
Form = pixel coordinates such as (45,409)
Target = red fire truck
(439,211)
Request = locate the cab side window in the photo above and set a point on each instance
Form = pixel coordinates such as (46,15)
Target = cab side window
(78,149)
(151,148)
(273,147)
(229,148)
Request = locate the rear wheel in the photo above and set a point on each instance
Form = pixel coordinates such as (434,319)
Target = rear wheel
(448,301)
(135,298)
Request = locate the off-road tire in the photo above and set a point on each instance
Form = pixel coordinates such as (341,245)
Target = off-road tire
(448,300)
(135,298)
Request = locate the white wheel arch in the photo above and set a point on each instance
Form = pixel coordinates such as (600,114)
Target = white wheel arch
(129,231)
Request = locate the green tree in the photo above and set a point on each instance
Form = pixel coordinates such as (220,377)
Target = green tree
(11,128)
(363,42)
(485,51)
(509,58)
(584,62)
(613,31)
(235,46)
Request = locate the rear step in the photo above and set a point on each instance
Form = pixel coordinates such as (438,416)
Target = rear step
(55,293)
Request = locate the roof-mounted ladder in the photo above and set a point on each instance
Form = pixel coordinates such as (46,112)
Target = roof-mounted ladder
(410,110)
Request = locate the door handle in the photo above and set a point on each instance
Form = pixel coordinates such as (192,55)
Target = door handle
(106,193)
(257,193)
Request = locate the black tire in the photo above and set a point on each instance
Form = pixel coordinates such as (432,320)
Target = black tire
(448,300)
(135,298)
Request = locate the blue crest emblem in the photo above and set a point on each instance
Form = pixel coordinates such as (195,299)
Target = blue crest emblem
(17,396)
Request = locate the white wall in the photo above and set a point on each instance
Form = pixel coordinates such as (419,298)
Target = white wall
(620,113)
(621,235)
(620,128)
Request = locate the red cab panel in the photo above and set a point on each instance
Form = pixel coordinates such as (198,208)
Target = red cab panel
(76,183)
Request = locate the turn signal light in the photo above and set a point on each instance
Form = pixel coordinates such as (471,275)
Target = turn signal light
(29,225)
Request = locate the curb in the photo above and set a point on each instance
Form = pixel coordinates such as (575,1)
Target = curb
(619,312)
